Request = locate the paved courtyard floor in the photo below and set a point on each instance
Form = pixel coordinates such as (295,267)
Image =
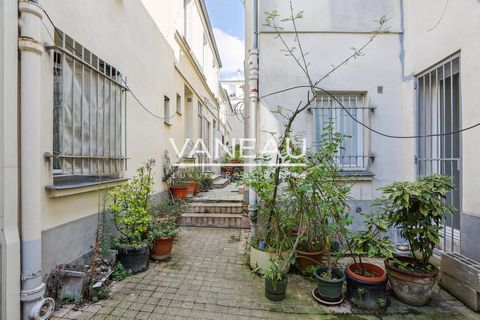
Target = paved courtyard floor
(208,278)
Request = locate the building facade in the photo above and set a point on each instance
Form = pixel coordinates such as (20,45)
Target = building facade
(85,104)
(415,79)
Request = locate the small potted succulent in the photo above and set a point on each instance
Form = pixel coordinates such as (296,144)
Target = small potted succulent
(276,281)
(130,208)
(417,209)
(162,234)
(367,282)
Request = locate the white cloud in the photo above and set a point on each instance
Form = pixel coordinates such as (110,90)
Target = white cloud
(232,51)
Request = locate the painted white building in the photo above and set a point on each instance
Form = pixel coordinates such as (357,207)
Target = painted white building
(71,128)
(235,90)
(417,79)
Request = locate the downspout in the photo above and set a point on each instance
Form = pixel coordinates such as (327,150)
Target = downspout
(34,305)
(253,103)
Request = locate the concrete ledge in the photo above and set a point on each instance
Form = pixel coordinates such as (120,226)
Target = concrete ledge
(462,292)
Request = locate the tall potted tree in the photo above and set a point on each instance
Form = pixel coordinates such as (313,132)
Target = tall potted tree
(417,209)
(367,282)
(130,207)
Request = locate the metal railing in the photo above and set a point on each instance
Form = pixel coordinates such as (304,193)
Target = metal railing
(89,112)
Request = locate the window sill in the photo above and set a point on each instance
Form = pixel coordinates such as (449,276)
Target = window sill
(356,175)
(67,186)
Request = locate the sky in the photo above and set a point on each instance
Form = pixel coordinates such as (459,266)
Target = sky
(228,23)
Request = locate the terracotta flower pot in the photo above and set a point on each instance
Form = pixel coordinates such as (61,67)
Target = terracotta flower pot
(367,292)
(306,259)
(197,188)
(191,186)
(179,193)
(410,287)
(162,247)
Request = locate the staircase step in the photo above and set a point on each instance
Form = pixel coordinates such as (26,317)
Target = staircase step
(216,207)
(216,220)
(217,177)
(221,183)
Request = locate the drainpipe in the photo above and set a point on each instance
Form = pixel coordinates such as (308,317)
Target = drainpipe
(253,102)
(34,305)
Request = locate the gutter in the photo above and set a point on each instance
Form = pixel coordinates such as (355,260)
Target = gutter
(34,304)
(253,104)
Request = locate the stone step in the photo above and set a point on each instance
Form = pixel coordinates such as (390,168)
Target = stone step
(216,220)
(217,177)
(216,207)
(220,183)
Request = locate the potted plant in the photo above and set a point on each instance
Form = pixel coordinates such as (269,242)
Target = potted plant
(417,209)
(130,207)
(174,183)
(276,281)
(367,282)
(191,177)
(162,234)
(271,242)
(206,182)
(325,210)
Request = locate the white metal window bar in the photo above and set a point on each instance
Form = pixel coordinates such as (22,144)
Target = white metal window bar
(438,112)
(353,153)
(89,112)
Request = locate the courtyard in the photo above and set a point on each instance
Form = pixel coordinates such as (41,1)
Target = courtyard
(208,277)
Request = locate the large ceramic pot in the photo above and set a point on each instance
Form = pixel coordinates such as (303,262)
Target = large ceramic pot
(261,259)
(367,292)
(179,193)
(330,290)
(275,290)
(133,259)
(191,186)
(410,287)
(161,249)
(306,259)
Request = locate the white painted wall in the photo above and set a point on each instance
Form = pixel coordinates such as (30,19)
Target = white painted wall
(430,38)
(9,237)
(134,37)
(328,31)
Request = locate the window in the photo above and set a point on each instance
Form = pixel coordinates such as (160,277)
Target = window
(166,111)
(439,112)
(352,153)
(179,104)
(89,100)
(205,52)
(187,19)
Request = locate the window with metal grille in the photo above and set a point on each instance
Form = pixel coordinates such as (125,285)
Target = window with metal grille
(438,113)
(89,104)
(353,153)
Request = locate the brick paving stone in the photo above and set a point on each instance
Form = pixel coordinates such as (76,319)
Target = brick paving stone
(208,278)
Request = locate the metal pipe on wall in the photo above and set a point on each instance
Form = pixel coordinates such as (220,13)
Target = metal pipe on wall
(34,305)
(253,104)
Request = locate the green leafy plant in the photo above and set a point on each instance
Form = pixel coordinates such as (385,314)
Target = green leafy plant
(131,205)
(206,181)
(274,272)
(320,199)
(163,229)
(370,242)
(120,273)
(168,208)
(191,174)
(418,208)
